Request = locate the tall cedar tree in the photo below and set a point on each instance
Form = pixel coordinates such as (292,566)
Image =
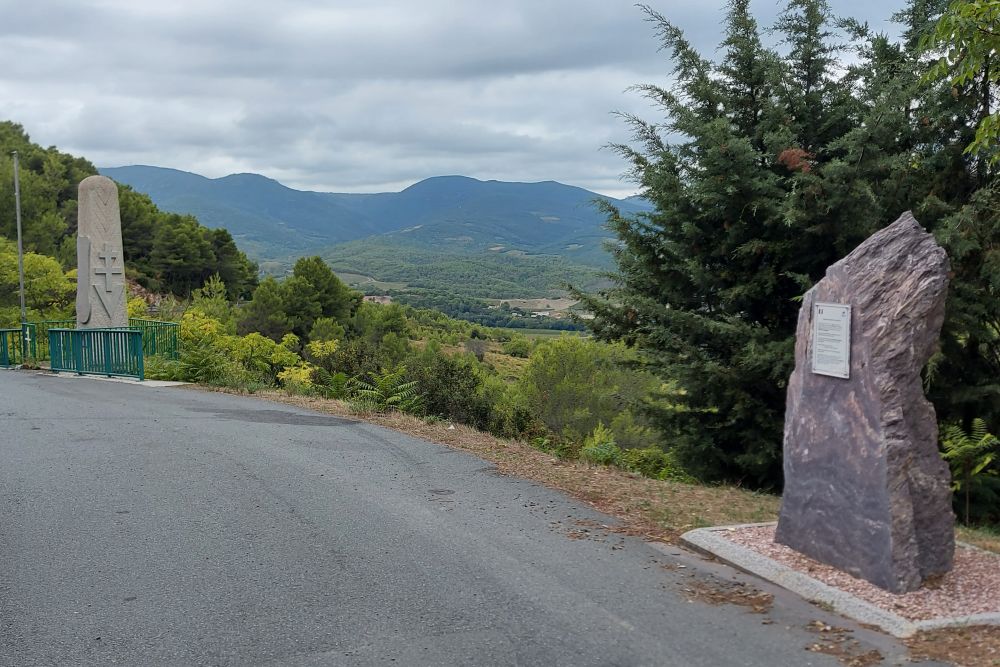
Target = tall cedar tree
(780,165)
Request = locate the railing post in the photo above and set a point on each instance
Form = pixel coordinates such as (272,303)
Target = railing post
(137,350)
(77,343)
(54,348)
(4,355)
(107,354)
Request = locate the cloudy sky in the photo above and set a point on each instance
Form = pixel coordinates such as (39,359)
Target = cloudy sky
(347,95)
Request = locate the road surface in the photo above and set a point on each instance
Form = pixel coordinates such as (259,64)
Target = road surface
(170,526)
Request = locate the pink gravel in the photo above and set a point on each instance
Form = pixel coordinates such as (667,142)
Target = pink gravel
(972,587)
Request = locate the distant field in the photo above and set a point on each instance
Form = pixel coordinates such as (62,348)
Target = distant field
(542,333)
(538,304)
(358,280)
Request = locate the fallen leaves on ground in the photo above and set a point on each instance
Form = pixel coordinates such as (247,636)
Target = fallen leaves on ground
(728,592)
(972,646)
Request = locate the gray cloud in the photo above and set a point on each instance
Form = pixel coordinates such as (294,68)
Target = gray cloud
(346,96)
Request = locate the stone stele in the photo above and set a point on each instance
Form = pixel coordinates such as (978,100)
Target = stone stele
(865,487)
(100,287)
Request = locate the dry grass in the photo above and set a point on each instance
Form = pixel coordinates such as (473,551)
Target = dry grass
(984,539)
(508,367)
(975,646)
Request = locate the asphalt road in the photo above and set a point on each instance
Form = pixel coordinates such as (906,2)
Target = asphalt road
(169,526)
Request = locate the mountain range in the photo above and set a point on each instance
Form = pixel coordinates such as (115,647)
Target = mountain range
(440,219)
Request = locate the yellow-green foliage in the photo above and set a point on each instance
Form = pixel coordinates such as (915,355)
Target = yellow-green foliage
(48,291)
(298,379)
(600,447)
(137,307)
(321,350)
(212,356)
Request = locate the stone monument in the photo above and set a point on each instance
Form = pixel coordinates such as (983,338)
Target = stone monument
(100,287)
(866,489)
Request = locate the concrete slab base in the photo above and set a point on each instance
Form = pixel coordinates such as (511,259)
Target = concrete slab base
(104,378)
(711,541)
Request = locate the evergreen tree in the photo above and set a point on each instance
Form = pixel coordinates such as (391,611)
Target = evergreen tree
(237,272)
(764,190)
(314,291)
(181,257)
(781,165)
(265,313)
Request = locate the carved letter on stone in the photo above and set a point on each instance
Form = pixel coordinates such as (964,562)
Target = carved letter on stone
(100,292)
(866,489)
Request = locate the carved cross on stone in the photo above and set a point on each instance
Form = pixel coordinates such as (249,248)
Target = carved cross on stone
(100,294)
(109,269)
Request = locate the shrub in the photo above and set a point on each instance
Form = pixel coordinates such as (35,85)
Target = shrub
(385,392)
(508,414)
(575,383)
(210,356)
(971,456)
(518,346)
(477,348)
(330,385)
(600,448)
(450,386)
(655,463)
(298,379)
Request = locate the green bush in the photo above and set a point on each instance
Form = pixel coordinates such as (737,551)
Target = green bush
(508,415)
(600,447)
(450,386)
(385,392)
(330,385)
(575,383)
(976,480)
(557,446)
(655,463)
(518,346)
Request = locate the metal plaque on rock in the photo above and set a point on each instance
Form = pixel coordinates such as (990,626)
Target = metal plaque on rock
(831,340)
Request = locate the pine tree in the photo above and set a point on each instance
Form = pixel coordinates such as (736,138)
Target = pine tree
(761,192)
(265,313)
(781,166)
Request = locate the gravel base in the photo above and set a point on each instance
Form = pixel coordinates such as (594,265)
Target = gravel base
(971,588)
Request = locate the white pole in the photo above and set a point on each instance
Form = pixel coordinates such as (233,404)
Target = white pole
(20,247)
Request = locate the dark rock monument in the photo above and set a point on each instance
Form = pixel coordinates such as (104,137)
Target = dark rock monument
(865,487)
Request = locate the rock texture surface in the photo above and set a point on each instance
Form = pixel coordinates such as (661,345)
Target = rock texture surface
(100,288)
(865,487)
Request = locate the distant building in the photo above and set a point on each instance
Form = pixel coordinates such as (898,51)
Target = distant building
(384,300)
(541,313)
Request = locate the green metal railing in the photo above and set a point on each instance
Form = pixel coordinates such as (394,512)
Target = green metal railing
(11,348)
(158,338)
(37,336)
(29,341)
(112,352)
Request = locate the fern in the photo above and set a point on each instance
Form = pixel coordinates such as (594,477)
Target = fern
(386,392)
(970,456)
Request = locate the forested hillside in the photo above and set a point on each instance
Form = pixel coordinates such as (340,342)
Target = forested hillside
(164,252)
(448,234)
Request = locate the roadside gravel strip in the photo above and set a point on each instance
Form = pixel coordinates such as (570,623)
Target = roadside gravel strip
(973,586)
